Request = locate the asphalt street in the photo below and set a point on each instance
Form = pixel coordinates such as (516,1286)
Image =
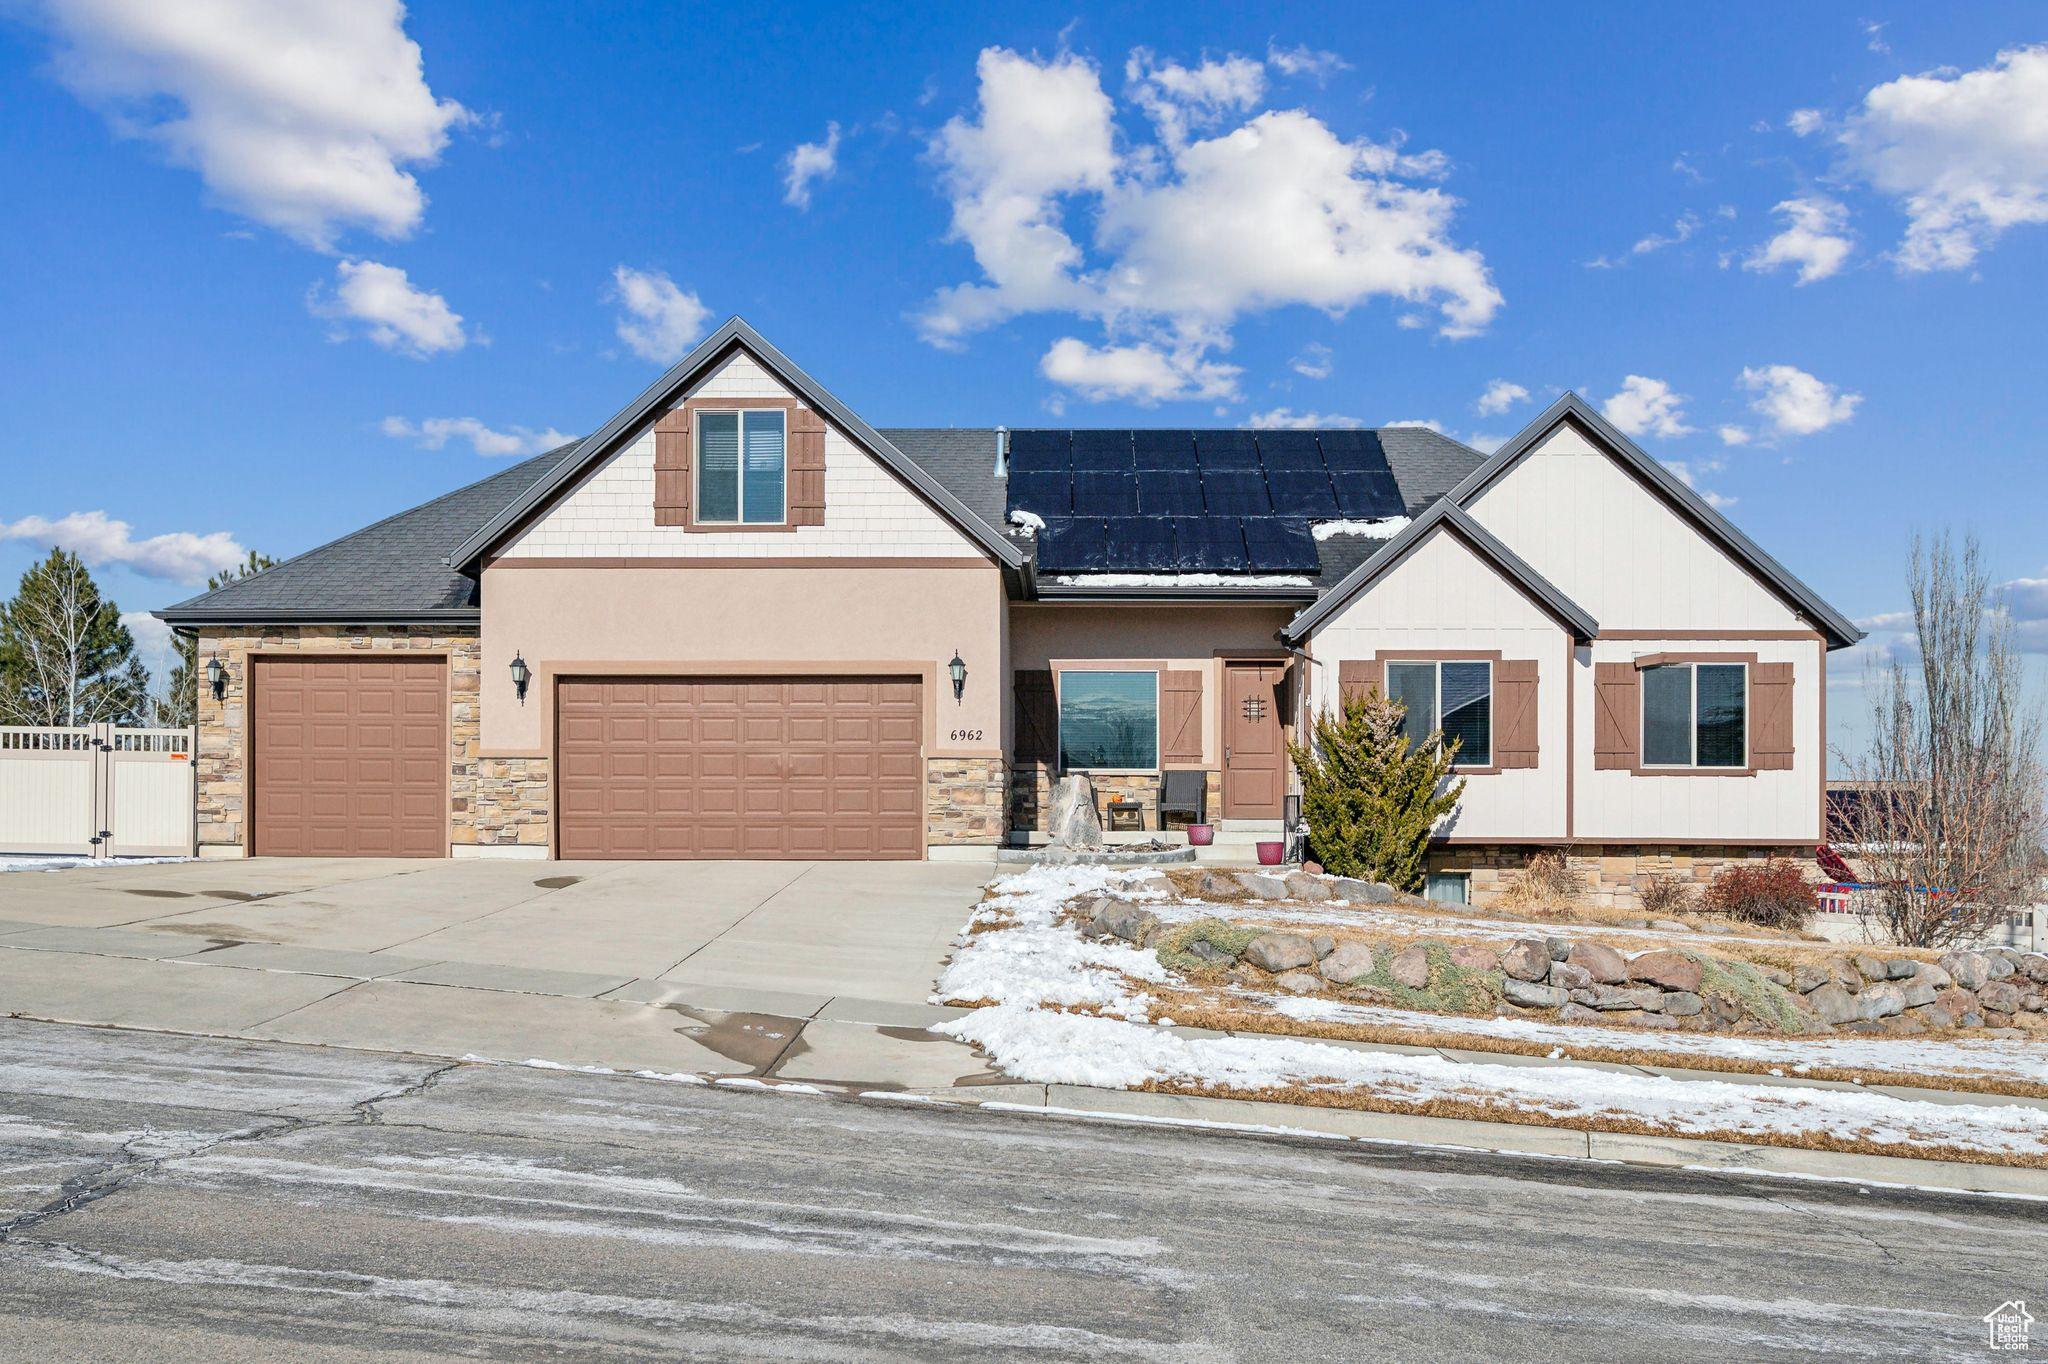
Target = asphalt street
(180,1198)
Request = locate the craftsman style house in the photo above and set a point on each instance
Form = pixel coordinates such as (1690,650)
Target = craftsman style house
(739,622)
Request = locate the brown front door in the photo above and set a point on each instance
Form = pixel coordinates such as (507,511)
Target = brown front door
(349,757)
(741,767)
(1254,750)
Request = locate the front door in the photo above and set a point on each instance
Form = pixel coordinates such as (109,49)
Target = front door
(1254,750)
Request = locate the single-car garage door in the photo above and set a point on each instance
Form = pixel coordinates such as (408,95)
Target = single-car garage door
(767,767)
(349,757)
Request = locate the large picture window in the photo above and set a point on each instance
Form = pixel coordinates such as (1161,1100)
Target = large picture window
(1109,720)
(742,465)
(1453,695)
(1696,715)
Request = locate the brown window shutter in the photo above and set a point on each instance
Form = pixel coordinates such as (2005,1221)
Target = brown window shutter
(1356,677)
(1617,715)
(1514,713)
(1180,719)
(1770,717)
(672,468)
(1037,711)
(806,468)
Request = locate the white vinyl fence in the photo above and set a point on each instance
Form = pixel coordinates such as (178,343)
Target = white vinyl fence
(97,790)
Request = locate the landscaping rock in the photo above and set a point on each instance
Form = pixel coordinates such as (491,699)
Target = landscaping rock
(1902,1026)
(1844,973)
(1323,944)
(1122,919)
(1807,979)
(1934,1016)
(1833,1003)
(1279,952)
(1683,1004)
(1560,948)
(1350,961)
(1902,968)
(1298,983)
(1722,1008)
(1880,1001)
(1609,998)
(1530,996)
(1869,967)
(2034,966)
(1356,892)
(1566,976)
(1074,823)
(1936,976)
(1672,970)
(1202,950)
(1994,1019)
(1573,1012)
(1264,887)
(1967,969)
(1918,992)
(1781,979)
(1526,960)
(1302,886)
(1410,968)
(1663,1021)
(1957,1002)
(1997,966)
(1472,957)
(1605,964)
(1214,885)
(2000,995)
(1669,926)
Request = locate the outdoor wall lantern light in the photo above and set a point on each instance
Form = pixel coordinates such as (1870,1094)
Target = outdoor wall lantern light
(957,670)
(521,675)
(216,677)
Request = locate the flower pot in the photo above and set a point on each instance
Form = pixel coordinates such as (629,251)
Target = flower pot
(1271,853)
(1201,835)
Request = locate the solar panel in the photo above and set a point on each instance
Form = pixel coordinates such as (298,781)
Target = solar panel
(1044,495)
(1164,449)
(1208,544)
(1075,545)
(1227,450)
(1141,544)
(1301,492)
(1102,450)
(1276,546)
(1105,494)
(1235,492)
(1038,451)
(1368,495)
(1289,450)
(1359,450)
(1169,492)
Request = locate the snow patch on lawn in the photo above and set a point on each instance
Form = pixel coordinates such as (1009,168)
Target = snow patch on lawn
(71,862)
(1036,960)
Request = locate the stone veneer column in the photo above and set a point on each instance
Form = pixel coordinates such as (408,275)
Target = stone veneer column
(966,800)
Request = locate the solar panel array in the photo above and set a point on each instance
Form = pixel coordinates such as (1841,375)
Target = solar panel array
(1194,501)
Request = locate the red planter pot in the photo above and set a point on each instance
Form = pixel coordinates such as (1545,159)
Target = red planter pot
(1271,853)
(1201,835)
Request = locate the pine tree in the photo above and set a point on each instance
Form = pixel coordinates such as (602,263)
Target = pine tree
(65,657)
(179,705)
(1370,799)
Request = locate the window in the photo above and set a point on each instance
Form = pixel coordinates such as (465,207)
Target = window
(1456,697)
(1109,720)
(741,467)
(1696,715)
(1448,887)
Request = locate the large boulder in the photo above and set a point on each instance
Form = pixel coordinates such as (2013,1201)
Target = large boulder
(1530,996)
(1641,997)
(1997,966)
(1917,991)
(1966,969)
(1668,969)
(1214,885)
(1349,961)
(1605,964)
(1302,886)
(1880,1001)
(1902,968)
(1871,968)
(1209,954)
(1560,948)
(1263,885)
(1575,1012)
(1961,1003)
(1566,976)
(1844,973)
(1074,823)
(1833,1003)
(1681,1003)
(2034,966)
(1807,979)
(1528,959)
(1937,976)
(2000,995)
(1298,982)
(1472,957)
(1122,919)
(1355,892)
(1280,952)
(1410,968)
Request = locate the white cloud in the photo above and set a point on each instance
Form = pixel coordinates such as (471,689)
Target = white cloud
(1424,423)
(2026,601)
(1194,231)
(436,432)
(152,639)
(1873,31)
(1500,395)
(1314,362)
(1144,374)
(1687,475)
(179,556)
(1303,60)
(807,163)
(1287,419)
(1681,230)
(303,116)
(1794,402)
(1964,153)
(1735,435)
(1806,122)
(1647,407)
(393,313)
(1815,238)
(661,321)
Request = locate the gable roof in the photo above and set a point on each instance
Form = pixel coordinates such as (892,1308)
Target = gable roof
(394,571)
(1571,408)
(1446,513)
(734,335)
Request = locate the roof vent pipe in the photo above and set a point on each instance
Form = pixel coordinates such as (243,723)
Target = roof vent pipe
(1002,452)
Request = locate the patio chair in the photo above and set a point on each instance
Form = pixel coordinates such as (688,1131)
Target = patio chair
(1184,793)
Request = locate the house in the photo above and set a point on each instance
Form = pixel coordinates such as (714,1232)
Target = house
(737,621)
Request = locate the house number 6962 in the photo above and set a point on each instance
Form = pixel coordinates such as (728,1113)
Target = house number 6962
(966,736)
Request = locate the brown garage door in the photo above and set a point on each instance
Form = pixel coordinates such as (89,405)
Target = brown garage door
(350,757)
(770,767)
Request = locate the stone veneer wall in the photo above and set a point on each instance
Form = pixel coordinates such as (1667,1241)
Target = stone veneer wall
(965,800)
(496,802)
(1031,795)
(1613,874)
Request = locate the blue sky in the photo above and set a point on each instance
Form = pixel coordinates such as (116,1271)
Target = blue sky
(271,276)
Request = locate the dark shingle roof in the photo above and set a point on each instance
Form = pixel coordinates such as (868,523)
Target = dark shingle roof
(963,458)
(394,570)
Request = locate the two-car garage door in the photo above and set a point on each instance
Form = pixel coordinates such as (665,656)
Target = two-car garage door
(768,767)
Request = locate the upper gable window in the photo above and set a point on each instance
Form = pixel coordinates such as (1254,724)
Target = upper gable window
(742,467)
(1696,715)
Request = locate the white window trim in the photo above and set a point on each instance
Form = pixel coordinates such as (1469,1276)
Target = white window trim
(739,520)
(1436,665)
(1692,729)
(1059,720)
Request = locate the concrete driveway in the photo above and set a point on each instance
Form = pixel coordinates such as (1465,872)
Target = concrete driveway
(585,963)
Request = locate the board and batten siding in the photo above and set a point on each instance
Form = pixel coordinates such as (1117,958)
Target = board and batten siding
(869,512)
(1445,597)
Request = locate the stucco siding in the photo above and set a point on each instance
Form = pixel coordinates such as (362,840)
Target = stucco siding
(869,512)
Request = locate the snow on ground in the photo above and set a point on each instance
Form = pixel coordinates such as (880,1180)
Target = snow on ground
(1056,1048)
(64,863)
(1426,922)
(1038,961)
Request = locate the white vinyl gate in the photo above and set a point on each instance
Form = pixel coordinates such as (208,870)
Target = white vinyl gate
(98,790)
